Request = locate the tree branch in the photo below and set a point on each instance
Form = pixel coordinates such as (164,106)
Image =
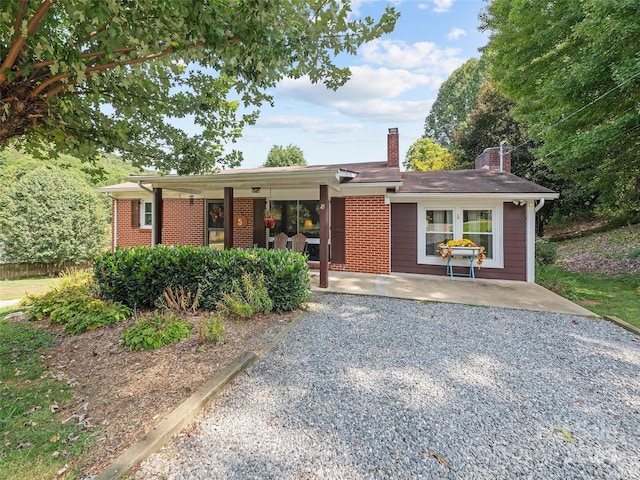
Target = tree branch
(20,42)
(20,17)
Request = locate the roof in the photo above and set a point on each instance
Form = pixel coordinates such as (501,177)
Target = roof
(469,181)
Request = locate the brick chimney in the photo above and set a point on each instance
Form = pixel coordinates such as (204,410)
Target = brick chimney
(393,148)
(490,159)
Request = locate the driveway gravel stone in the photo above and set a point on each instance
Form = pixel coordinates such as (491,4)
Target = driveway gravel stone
(370,387)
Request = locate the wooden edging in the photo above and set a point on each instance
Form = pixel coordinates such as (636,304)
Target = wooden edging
(623,324)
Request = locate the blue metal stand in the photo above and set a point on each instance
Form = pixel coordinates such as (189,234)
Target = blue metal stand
(471,275)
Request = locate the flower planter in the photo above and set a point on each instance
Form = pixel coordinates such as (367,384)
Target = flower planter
(459,251)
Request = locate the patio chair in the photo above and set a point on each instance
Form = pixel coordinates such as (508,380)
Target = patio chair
(299,243)
(280,241)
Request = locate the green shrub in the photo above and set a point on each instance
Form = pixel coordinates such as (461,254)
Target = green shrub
(246,298)
(151,333)
(546,252)
(138,276)
(73,305)
(212,329)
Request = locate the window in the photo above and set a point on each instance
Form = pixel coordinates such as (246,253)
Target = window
(298,216)
(146,215)
(439,224)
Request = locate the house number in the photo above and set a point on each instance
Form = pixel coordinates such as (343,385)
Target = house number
(322,206)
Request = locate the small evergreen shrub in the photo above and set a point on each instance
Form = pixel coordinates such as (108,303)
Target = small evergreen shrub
(546,252)
(138,276)
(151,333)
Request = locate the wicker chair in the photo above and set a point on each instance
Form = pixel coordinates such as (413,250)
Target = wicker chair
(280,241)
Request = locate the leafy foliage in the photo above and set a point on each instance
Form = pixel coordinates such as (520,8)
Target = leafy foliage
(573,69)
(546,252)
(51,216)
(212,329)
(138,276)
(456,98)
(246,297)
(73,305)
(83,76)
(280,156)
(426,155)
(151,333)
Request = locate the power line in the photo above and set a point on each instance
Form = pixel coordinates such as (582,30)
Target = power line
(637,74)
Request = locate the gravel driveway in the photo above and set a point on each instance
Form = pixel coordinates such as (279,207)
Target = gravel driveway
(368,387)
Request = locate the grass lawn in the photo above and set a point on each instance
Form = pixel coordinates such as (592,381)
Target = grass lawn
(10,289)
(35,443)
(617,295)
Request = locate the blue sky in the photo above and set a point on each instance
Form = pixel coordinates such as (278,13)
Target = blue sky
(394,82)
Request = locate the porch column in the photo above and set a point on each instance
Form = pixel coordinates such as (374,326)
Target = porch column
(156,217)
(228,217)
(324,236)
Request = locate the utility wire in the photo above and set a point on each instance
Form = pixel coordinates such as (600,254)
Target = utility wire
(580,109)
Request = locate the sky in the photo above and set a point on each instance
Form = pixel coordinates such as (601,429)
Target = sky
(394,82)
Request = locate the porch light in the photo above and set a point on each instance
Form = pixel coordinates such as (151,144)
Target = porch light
(255,189)
(308,223)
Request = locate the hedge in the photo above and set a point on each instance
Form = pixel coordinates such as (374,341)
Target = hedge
(138,276)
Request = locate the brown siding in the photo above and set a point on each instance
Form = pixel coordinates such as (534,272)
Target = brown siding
(404,244)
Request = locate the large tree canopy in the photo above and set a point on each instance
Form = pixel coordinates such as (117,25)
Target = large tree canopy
(573,69)
(87,75)
(426,155)
(456,98)
(280,156)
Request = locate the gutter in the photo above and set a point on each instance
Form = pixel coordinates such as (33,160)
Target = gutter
(540,205)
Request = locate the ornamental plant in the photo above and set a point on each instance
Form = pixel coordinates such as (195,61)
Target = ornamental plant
(446,249)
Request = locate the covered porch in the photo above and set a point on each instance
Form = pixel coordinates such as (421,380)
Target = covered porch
(246,209)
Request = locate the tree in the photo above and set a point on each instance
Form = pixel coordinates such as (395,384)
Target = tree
(456,98)
(573,69)
(83,76)
(285,156)
(425,155)
(489,122)
(51,216)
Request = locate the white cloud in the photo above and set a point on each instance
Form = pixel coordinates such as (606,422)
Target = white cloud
(419,55)
(366,83)
(252,135)
(307,124)
(380,110)
(439,6)
(456,33)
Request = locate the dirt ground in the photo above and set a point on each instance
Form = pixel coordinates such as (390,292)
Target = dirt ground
(122,394)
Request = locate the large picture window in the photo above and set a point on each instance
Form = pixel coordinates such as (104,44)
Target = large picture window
(298,216)
(481,225)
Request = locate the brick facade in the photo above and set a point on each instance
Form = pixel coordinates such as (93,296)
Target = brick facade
(183,221)
(243,234)
(367,235)
(128,235)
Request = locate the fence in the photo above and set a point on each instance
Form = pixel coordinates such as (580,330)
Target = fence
(13,271)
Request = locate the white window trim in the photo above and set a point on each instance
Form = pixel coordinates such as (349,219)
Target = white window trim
(143,204)
(458,206)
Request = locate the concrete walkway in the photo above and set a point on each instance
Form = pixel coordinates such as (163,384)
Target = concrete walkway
(432,288)
(9,303)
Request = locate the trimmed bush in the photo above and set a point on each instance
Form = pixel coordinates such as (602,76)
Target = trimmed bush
(546,252)
(138,276)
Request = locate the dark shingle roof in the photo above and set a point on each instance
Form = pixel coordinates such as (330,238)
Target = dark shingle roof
(468,181)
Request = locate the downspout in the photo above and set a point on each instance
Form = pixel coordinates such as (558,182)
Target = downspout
(540,205)
(532,210)
(153,212)
(114,220)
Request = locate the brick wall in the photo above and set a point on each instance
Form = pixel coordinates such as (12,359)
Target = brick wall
(128,236)
(183,221)
(367,235)
(243,235)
